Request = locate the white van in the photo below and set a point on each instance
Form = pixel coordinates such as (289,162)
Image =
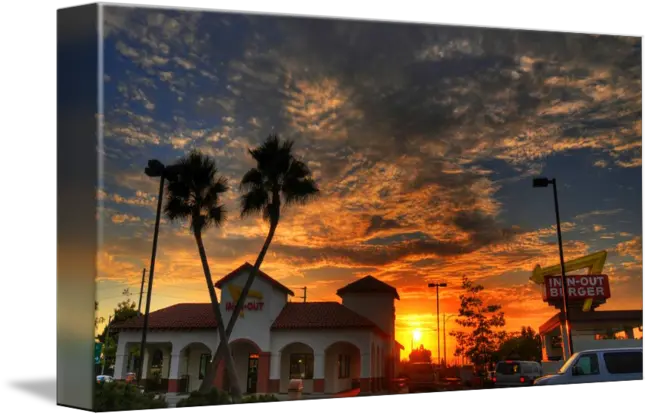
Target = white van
(516,373)
(600,365)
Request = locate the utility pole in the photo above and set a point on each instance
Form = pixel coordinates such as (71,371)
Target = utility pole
(105,343)
(141,291)
(437,287)
(304,297)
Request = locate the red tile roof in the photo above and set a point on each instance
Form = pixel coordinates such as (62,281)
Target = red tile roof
(310,315)
(180,316)
(368,284)
(321,315)
(247,267)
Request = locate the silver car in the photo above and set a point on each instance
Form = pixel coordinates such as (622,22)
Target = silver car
(516,373)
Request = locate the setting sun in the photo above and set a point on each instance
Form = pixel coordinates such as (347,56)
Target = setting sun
(417,334)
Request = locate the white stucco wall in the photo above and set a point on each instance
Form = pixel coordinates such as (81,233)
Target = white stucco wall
(378,307)
(252,325)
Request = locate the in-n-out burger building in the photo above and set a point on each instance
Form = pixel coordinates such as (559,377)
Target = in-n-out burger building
(590,328)
(332,346)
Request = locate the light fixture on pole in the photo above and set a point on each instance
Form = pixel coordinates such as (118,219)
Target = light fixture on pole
(542,182)
(437,287)
(155,169)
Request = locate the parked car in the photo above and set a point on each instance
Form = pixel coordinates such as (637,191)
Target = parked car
(516,373)
(103,378)
(600,365)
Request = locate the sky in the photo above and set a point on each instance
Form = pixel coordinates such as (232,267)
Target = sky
(423,140)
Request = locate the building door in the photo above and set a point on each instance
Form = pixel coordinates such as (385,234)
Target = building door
(252,373)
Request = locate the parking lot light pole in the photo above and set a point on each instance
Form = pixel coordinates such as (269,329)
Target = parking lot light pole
(568,350)
(437,287)
(155,169)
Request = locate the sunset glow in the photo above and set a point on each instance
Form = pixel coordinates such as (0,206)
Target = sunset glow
(417,335)
(423,144)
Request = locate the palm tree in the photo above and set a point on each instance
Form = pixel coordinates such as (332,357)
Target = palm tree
(194,195)
(278,178)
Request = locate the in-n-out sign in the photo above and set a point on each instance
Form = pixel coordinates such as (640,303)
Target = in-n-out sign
(251,305)
(579,287)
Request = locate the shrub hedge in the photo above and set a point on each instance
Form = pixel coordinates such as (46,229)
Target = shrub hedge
(118,396)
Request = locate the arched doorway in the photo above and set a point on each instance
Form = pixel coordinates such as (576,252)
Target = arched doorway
(342,367)
(246,359)
(156,371)
(194,360)
(297,362)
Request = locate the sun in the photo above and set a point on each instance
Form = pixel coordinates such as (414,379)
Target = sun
(417,334)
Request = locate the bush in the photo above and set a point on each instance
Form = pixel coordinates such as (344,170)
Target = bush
(213,397)
(118,396)
(259,398)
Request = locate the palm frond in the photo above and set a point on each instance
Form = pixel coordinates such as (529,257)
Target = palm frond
(300,191)
(253,201)
(195,191)
(297,169)
(217,215)
(178,189)
(177,209)
(252,178)
(277,174)
(214,191)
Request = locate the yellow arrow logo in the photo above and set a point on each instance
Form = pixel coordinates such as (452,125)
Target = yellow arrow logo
(593,263)
(236,292)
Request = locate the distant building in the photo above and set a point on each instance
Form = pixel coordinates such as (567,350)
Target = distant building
(332,346)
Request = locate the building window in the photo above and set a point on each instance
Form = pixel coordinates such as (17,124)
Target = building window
(204,362)
(301,366)
(344,366)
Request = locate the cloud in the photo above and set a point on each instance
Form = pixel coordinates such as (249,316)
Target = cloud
(417,136)
(379,223)
(124,218)
(631,248)
(598,213)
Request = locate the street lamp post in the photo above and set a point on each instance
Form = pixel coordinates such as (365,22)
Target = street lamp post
(155,169)
(541,183)
(437,287)
(444,333)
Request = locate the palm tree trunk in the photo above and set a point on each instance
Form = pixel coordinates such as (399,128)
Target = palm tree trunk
(236,393)
(210,372)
